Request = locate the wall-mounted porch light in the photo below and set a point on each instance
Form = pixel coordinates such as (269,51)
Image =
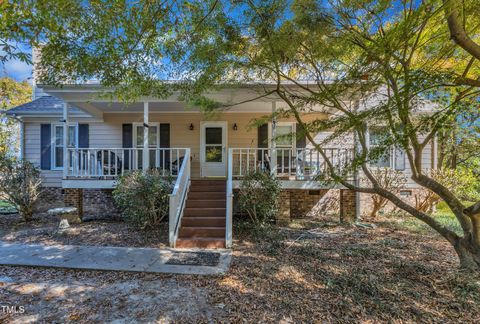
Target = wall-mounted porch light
(191,127)
(235,127)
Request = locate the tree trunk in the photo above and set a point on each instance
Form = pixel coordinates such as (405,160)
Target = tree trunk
(27,214)
(468,254)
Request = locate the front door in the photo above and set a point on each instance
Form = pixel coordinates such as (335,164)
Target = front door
(213,149)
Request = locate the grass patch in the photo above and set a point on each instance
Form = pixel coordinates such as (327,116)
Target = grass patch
(443,215)
(6,207)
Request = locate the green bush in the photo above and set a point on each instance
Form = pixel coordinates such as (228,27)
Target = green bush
(143,197)
(258,196)
(20,185)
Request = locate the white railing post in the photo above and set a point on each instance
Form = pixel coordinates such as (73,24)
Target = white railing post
(146,152)
(178,197)
(65,140)
(273,143)
(229,216)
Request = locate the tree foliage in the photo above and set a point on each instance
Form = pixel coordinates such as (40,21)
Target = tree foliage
(388,62)
(20,185)
(12,94)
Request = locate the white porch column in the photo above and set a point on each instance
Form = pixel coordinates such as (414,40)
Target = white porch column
(273,144)
(146,153)
(65,140)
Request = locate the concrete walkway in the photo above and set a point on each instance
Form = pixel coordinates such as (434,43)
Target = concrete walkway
(202,262)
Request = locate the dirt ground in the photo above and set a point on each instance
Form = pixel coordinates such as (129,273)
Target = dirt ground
(44,230)
(311,271)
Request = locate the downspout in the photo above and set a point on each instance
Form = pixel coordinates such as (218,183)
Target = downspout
(22,139)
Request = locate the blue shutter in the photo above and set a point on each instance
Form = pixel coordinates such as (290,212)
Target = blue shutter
(127,142)
(45,146)
(164,143)
(83,136)
(301,137)
(262,142)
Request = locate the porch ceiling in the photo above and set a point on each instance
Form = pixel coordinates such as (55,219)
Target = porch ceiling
(92,99)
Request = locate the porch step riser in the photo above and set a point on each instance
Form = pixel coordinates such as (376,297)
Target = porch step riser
(204,221)
(197,182)
(208,188)
(206,203)
(192,232)
(204,217)
(210,243)
(204,212)
(206,195)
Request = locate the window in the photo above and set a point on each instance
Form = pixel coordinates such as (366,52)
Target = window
(393,157)
(153,142)
(57,141)
(153,135)
(284,135)
(213,144)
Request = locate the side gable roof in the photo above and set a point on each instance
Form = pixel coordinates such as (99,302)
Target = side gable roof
(46,105)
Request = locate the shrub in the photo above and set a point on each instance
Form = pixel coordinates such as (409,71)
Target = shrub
(462,182)
(20,185)
(389,179)
(258,196)
(143,197)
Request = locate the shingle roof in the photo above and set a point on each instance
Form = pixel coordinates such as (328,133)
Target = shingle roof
(46,105)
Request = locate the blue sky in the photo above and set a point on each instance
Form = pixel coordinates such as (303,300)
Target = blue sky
(17,69)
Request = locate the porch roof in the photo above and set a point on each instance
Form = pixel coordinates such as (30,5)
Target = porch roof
(45,106)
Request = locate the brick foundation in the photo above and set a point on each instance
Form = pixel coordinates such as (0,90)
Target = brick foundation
(50,197)
(305,203)
(284,207)
(99,204)
(300,203)
(92,203)
(348,205)
(73,197)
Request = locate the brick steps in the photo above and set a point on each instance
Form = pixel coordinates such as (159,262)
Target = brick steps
(204,217)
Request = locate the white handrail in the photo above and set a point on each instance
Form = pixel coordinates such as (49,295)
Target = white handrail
(113,162)
(178,198)
(293,164)
(229,211)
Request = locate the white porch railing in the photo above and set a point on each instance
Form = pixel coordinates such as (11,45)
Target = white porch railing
(298,164)
(229,210)
(107,163)
(178,198)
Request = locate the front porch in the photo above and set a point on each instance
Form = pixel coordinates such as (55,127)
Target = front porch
(184,144)
(195,220)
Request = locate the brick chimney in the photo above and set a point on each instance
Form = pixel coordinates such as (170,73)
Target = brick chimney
(36,56)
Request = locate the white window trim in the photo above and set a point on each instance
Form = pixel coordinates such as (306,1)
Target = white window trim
(53,140)
(134,135)
(294,130)
(391,156)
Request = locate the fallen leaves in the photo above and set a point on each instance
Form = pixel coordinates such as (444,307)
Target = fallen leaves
(315,271)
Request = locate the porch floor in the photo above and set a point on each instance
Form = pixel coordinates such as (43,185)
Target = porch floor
(186,261)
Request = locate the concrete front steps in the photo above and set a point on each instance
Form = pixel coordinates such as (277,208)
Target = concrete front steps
(204,216)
